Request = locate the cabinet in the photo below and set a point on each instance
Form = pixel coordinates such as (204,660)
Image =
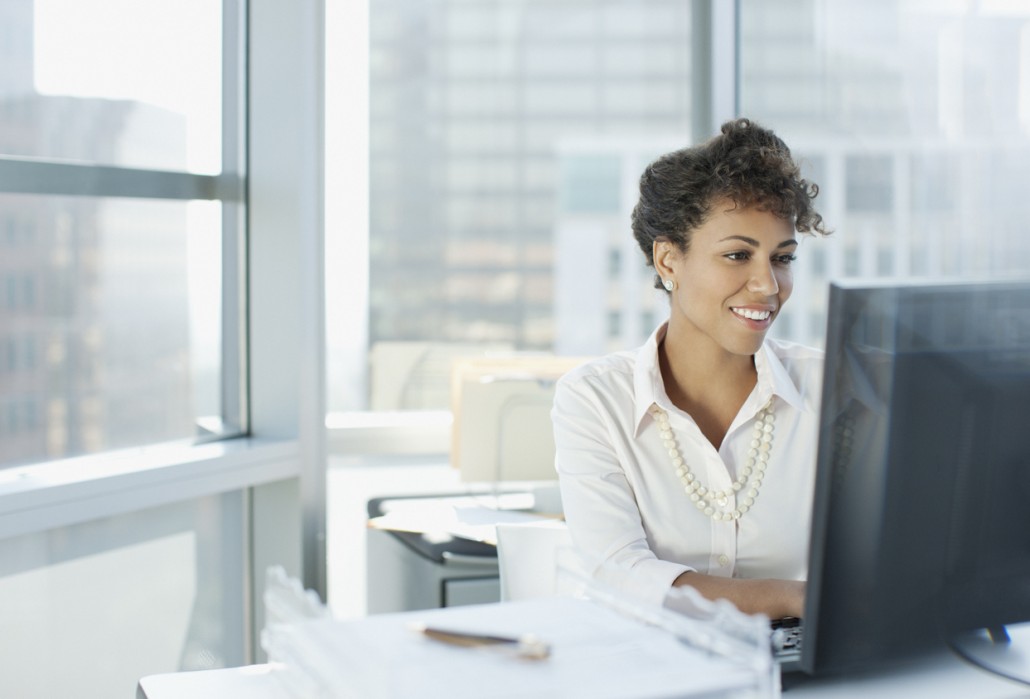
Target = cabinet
(409,570)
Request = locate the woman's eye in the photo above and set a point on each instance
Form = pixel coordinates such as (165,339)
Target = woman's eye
(785,259)
(737,256)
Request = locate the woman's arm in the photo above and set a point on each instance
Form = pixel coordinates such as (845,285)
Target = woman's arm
(600,506)
(774,598)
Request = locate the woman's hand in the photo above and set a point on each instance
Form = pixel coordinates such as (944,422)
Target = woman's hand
(772,597)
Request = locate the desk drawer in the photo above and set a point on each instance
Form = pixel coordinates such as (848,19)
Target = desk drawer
(462,591)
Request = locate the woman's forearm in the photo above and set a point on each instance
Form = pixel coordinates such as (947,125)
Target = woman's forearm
(774,598)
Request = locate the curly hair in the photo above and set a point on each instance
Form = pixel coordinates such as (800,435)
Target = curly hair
(746,163)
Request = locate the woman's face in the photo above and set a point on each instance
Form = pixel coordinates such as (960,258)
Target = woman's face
(732,281)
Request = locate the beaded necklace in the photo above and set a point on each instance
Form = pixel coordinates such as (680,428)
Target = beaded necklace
(714,504)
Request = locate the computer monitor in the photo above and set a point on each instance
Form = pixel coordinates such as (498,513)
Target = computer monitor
(921,521)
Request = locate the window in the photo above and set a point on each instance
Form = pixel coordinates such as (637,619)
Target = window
(504,140)
(168,541)
(916,114)
(121,218)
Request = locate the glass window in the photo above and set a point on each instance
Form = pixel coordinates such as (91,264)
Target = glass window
(562,97)
(499,134)
(621,19)
(590,183)
(124,298)
(77,83)
(112,600)
(869,183)
(645,97)
(916,114)
(559,59)
(652,58)
(113,301)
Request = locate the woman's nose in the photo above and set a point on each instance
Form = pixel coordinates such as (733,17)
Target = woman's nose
(763,281)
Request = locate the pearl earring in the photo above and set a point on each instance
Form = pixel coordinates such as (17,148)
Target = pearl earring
(668,284)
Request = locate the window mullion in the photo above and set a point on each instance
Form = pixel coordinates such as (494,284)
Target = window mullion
(34,176)
(234,389)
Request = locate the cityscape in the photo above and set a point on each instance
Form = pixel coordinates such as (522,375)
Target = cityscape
(506,140)
(94,333)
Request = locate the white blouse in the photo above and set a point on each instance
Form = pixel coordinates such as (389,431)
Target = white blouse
(627,512)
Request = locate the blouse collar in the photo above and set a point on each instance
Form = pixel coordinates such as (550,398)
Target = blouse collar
(773,379)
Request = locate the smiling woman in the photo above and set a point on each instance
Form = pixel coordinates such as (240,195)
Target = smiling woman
(662,453)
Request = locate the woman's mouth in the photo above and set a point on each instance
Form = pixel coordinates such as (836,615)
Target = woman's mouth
(751,314)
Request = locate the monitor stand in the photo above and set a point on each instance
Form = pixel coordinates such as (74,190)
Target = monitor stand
(1002,650)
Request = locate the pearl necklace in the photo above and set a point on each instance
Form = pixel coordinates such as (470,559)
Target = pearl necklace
(711,503)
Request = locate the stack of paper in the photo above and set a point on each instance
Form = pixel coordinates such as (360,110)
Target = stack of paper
(594,652)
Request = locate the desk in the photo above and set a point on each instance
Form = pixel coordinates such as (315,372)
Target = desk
(943,674)
(940,676)
(249,682)
(943,678)
(594,651)
(429,551)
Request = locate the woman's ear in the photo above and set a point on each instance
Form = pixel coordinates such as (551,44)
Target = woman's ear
(665,254)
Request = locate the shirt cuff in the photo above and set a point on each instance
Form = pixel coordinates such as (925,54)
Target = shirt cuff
(647,581)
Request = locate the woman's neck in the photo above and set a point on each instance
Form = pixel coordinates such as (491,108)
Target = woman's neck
(706,382)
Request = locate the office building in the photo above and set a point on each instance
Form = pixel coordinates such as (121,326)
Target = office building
(82,326)
(471,104)
(507,139)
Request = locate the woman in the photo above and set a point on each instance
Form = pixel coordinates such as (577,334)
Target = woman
(691,460)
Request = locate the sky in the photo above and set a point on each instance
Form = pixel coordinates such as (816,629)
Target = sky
(82,49)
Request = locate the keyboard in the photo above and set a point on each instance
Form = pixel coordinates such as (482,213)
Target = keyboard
(786,643)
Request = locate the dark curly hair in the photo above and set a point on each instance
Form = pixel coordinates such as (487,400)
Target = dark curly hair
(746,163)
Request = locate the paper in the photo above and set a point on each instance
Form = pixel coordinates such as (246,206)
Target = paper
(595,652)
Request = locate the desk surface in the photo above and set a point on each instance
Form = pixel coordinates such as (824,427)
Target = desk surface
(252,682)
(939,676)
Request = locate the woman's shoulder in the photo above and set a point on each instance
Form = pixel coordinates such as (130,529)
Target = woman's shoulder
(605,384)
(803,363)
(615,366)
(788,351)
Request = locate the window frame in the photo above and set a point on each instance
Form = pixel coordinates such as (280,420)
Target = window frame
(57,177)
(272,168)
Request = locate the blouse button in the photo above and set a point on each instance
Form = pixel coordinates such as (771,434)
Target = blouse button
(723,560)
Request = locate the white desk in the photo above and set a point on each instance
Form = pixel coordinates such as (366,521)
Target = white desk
(594,651)
(941,676)
(252,682)
(938,676)
(945,678)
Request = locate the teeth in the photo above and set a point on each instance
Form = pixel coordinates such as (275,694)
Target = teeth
(752,315)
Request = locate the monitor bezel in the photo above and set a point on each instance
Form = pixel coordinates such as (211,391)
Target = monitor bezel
(823,612)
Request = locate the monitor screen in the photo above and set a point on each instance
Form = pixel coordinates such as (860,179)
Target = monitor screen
(921,523)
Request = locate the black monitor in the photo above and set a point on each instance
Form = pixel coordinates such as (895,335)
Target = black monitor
(921,522)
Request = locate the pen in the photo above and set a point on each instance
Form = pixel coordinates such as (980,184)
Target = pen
(526,645)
